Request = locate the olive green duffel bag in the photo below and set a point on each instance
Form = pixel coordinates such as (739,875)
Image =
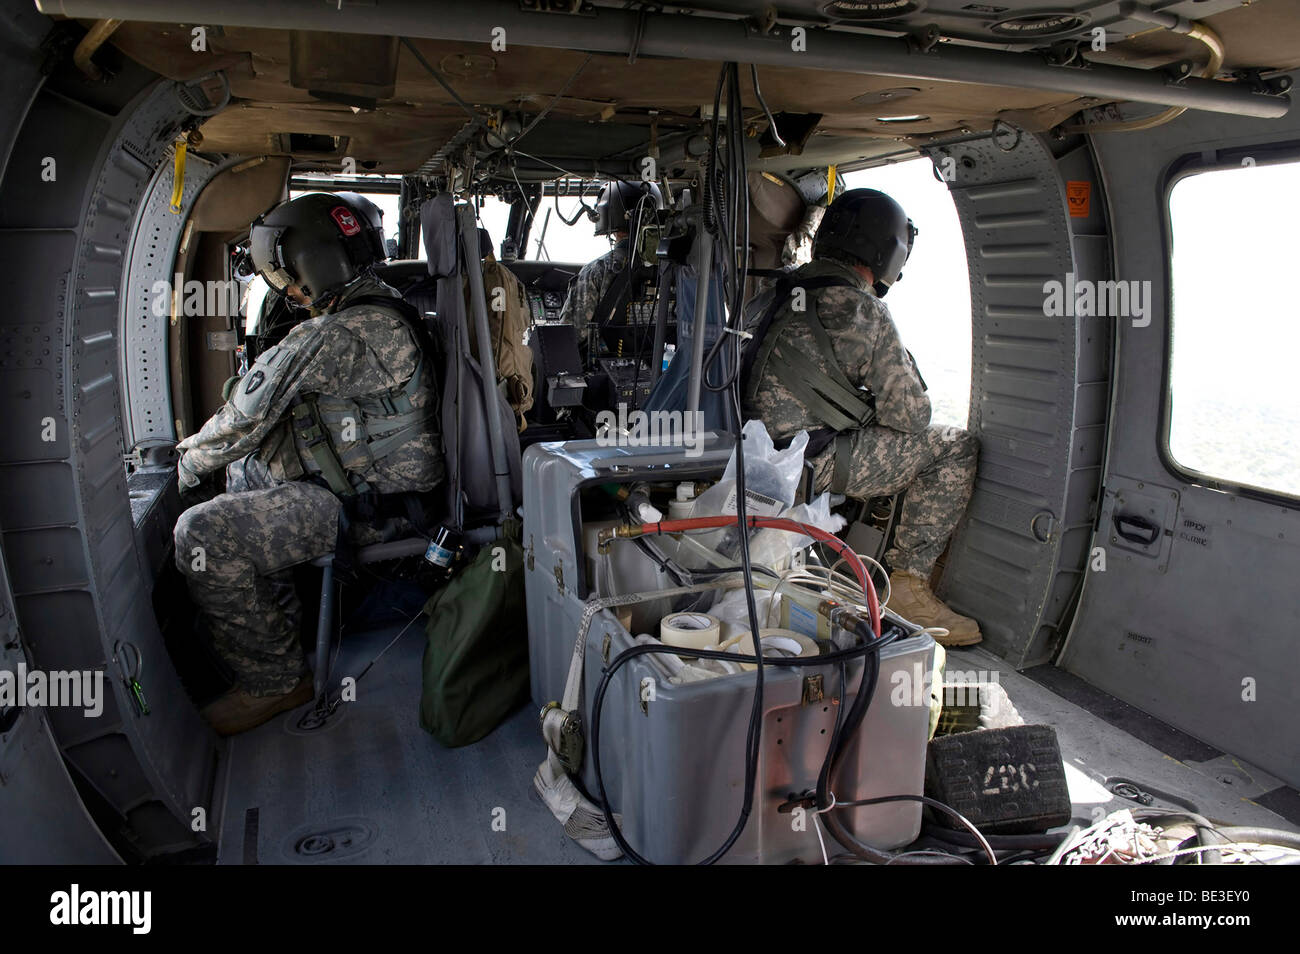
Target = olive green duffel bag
(476,654)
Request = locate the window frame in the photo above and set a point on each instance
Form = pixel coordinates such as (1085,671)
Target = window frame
(1187,165)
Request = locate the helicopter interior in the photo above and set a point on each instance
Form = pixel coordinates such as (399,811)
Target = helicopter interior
(143,137)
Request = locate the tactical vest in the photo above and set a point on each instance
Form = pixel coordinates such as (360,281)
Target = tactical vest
(345,437)
(826,392)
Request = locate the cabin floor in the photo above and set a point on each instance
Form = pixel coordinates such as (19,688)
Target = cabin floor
(371,787)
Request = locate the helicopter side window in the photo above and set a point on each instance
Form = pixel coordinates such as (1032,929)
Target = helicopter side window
(1234,390)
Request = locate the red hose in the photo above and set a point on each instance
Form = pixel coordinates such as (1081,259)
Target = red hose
(782,523)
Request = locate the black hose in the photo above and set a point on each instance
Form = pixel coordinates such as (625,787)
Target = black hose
(1265,836)
(1201,824)
(870,650)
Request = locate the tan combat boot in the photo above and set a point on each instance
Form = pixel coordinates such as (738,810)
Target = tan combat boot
(237,711)
(910,598)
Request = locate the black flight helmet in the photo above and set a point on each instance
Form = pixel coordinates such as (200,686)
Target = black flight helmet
(870,227)
(619,202)
(321,242)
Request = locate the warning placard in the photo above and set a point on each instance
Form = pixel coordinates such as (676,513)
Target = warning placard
(1078,196)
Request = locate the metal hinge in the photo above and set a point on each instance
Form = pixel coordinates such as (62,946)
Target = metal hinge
(222,340)
(814,689)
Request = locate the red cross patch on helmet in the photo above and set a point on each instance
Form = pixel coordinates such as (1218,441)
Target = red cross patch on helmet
(345,220)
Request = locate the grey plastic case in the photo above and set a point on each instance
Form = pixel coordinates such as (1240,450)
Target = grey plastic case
(674,767)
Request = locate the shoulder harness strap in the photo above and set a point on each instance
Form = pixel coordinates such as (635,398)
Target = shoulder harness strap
(828,393)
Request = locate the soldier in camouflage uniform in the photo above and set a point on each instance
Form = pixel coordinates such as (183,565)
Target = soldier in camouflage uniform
(830,336)
(590,286)
(616,210)
(345,403)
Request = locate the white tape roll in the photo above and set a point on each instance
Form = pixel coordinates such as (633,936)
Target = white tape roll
(776,643)
(689,630)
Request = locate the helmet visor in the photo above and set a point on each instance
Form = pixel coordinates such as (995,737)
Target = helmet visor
(264,249)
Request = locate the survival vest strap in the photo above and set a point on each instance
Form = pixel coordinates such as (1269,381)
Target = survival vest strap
(827,393)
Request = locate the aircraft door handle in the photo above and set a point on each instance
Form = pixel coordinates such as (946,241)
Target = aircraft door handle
(1136,529)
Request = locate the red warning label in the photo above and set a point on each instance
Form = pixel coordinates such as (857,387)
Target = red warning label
(1078,195)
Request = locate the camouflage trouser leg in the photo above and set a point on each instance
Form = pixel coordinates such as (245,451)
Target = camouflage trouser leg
(244,539)
(937,469)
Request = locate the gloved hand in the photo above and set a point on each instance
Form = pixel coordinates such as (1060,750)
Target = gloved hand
(188,479)
(197,488)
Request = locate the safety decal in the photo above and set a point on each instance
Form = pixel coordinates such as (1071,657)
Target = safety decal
(1078,195)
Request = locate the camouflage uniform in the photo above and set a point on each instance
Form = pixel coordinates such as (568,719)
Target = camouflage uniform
(589,288)
(900,450)
(271,516)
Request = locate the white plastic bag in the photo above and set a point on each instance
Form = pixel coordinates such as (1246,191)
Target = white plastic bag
(771,482)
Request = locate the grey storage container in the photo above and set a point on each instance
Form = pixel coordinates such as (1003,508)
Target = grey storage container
(674,767)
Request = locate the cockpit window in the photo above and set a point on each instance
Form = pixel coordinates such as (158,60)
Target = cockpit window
(560,241)
(931,302)
(1234,389)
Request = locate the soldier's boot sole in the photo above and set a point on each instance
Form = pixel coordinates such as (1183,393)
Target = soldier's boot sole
(238,711)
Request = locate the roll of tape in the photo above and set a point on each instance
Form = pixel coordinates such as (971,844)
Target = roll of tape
(689,630)
(776,643)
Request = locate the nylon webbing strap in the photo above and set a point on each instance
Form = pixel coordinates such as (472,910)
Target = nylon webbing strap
(309,429)
(827,399)
(766,338)
(827,392)
(843,453)
(611,301)
(382,443)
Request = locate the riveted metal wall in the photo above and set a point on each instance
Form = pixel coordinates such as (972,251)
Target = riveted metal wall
(68,535)
(157,235)
(1038,398)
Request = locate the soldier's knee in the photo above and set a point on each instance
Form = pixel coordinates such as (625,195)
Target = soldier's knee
(968,445)
(192,535)
(953,441)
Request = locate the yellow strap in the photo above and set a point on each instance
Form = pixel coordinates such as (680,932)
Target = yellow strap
(178,177)
(830,183)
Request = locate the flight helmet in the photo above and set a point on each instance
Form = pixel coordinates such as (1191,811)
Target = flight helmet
(618,204)
(869,227)
(322,242)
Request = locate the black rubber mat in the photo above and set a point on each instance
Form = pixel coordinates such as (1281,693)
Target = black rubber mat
(1282,801)
(1159,735)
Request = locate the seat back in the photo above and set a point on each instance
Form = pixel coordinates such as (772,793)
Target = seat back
(471,484)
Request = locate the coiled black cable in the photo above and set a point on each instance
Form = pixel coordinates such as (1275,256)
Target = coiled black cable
(870,649)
